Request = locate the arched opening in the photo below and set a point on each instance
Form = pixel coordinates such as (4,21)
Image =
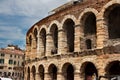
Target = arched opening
(88,44)
(53,72)
(9,74)
(41,72)
(54,33)
(30,40)
(89,71)
(113,68)
(90,24)
(68,71)
(35,36)
(28,74)
(89,30)
(113,20)
(69,33)
(43,41)
(33,72)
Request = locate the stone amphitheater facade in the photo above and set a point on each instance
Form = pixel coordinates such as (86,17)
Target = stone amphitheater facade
(77,42)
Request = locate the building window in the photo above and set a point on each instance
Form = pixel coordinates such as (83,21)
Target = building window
(22,57)
(1,67)
(14,62)
(14,56)
(9,67)
(2,54)
(1,61)
(11,55)
(18,63)
(10,61)
(18,56)
(88,44)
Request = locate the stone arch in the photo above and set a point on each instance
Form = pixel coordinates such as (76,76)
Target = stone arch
(28,73)
(35,35)
(30,37)
(68,35)
(68,71)
(54,22)
(52,70)
(111,16)
(54,37)
(88,70)
(113,68)
(43,27)
(42,40)
(33,70)
(72,17)
(87,10)
(41,71)
(53,31)
(88,27)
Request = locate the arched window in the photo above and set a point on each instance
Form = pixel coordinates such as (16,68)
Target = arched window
(113,68)
(43,41)
(28,73)
(89,71)
(90,24)
(88,44)
(68,71)
(54,34)
(30,40)
(35,36)
(33,72)
(69,33)
(114,22)
(41,72)
(53,72)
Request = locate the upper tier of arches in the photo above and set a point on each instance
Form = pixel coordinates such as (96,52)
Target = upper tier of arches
(91,29)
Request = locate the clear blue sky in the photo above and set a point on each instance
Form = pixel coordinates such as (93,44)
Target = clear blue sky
(17,16)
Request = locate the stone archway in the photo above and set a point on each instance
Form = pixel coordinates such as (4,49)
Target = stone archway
(28,73)
(42,41)
(41,72)
(68,27)
(89,71)
(33,72)
(112,18)
(68,71)
(54,35)
(52,72)
(35,37)
(88,22)
(113,68)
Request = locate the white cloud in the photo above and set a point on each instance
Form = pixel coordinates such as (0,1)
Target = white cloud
(11,33)
(32,8)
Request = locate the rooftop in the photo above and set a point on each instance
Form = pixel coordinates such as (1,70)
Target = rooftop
(12,49)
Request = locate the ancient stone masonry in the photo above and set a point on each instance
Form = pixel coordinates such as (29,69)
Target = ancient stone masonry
(79,41)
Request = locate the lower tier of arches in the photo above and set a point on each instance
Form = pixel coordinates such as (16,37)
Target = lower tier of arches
(88,67)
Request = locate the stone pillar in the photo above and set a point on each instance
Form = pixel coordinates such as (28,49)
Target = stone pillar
(31,76)
(38,47)
(47,76)
(48,44)
(60,76)
(77,75)
(102,33)
(25,75)
(62,42)
(34,49)
(37,77)
(77,38)
(101,72)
